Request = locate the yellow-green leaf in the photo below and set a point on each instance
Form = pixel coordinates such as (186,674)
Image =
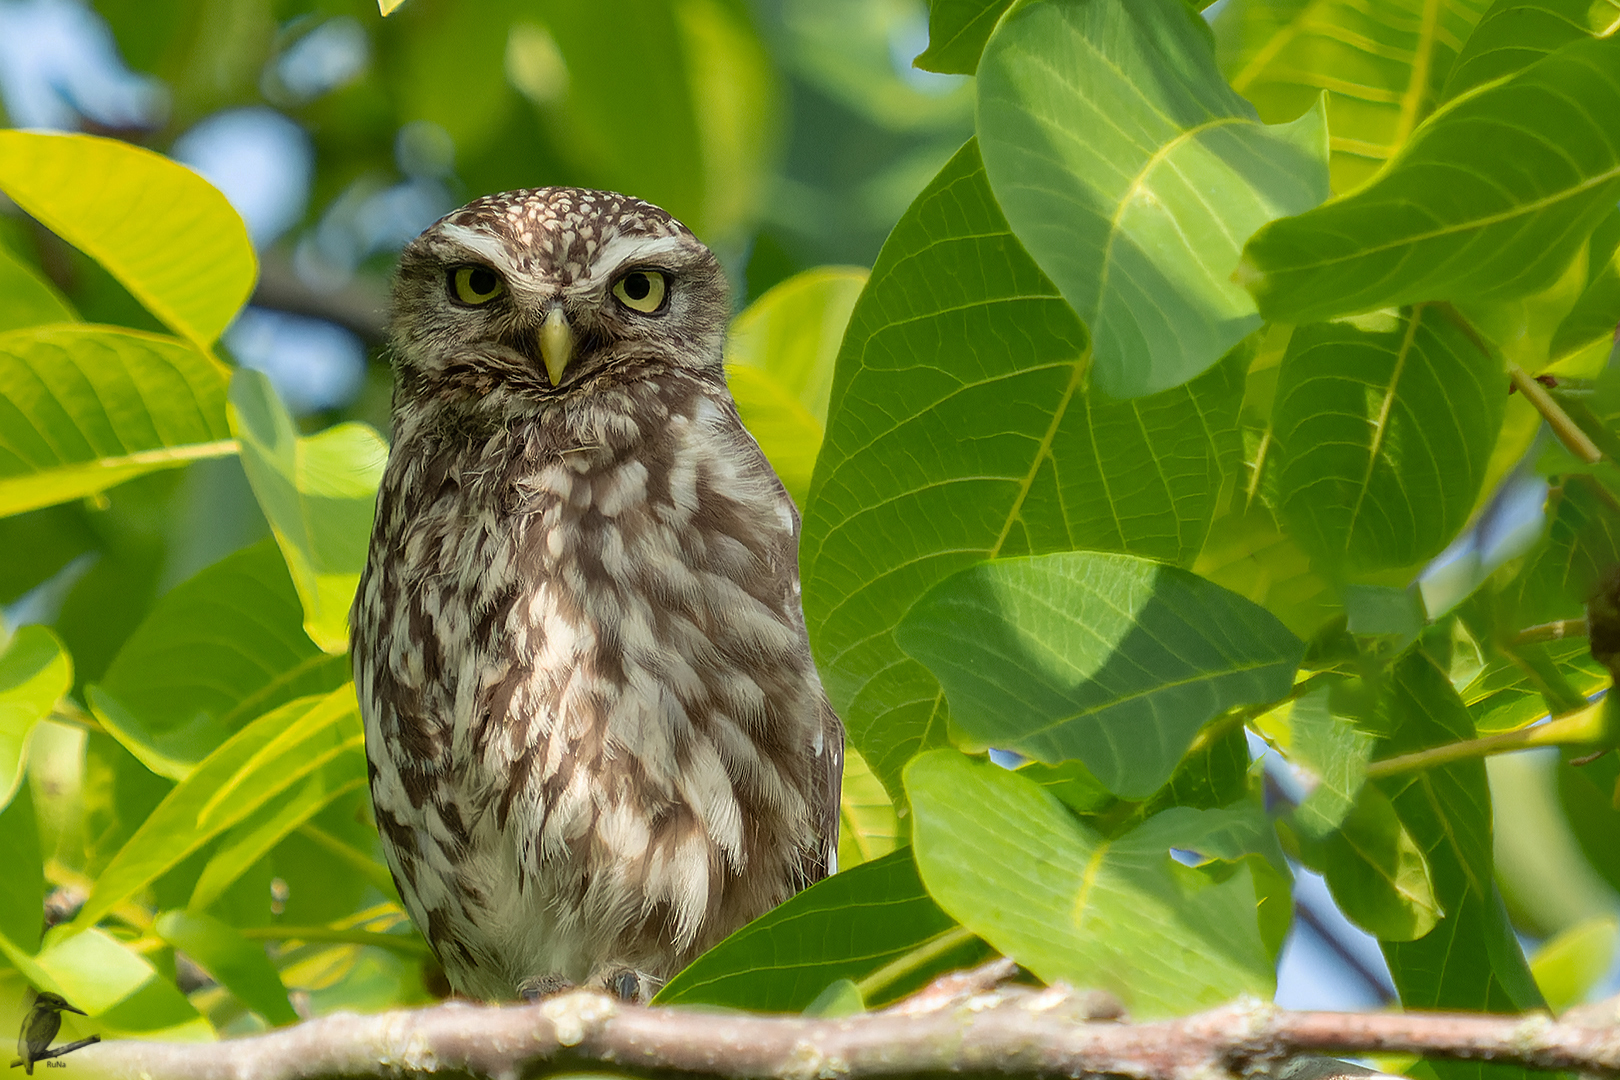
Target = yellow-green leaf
(163,231)
(85,407)
(35,672)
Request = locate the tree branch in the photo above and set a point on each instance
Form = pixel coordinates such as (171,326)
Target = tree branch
(950,1027)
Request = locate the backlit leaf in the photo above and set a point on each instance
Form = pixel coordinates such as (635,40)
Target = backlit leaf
(1516,33)
(35,672)
(238,964)
(957,31)
(26,299)
(85,407)
(319,493)
(1491,198)
(1133,174)
(1120,915)
(163,231)
(1383,430)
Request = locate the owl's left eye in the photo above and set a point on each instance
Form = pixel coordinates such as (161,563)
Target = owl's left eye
(641,290)
(475,284)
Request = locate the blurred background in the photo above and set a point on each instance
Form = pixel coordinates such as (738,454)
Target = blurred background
(787,133)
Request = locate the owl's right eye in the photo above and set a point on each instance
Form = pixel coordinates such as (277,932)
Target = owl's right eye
(475,284)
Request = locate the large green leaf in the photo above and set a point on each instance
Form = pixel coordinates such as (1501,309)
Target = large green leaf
(1133,174)
(215,652)
(1111,659)
(959,430)
(163,231)
(1382,67)
(1471,959)
(35,672)
(1596,311)
(26,299)
(868,827)
(85,407)
(319,493)
(1382,432)
(1516,33)
(779,364)
(255,765)
(874,925)
(1491,198)
(1581,549)
(1120,915)
(22,887)
(1375,870)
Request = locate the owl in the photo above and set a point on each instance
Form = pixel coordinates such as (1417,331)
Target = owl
(597,741)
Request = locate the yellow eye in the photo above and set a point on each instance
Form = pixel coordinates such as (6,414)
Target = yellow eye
(475,284)
(641,290)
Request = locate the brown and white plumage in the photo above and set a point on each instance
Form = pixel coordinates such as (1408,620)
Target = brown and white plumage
(597,740)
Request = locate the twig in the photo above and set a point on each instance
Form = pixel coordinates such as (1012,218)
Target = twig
(1553,631)
(1010,1031)
(1584,727)
(1568,431)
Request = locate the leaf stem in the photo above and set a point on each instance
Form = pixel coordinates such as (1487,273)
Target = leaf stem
(1585,727)
(1568,431)
(1552,631)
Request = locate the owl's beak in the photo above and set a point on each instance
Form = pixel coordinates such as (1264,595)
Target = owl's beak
(556,343)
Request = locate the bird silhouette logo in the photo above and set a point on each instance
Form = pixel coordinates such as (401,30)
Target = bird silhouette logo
(40,1026)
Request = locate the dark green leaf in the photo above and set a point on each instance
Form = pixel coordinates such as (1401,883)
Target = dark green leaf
(1383,431)
(1121,915)
(959,431)
(1133,173)
(22,886)
(874,925)
(1491,198)
(218,650)
(1111,659)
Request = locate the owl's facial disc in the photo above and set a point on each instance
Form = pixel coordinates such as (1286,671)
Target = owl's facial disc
(556,343)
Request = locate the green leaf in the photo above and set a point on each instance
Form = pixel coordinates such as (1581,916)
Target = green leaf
(957,31)
(874,925)
(22,886)
(85,407)
(1571,964)
(233,783)
(255,838)
(26,299)
(112,982)
(1491,198)
(1382,67)
(1120,915)
(1581,549)
(1336,753)
(35,673)
(1516,33)
(1382,430)
(319,493)
(1133,173)
(1375,870)
(1115,660)
(692,132)
(958,430)
(867,825)
(1587,795)
(1471,959)
(1597,310)
(779,363)
(236,963)
(163,231)
(216,651)
(1513,690)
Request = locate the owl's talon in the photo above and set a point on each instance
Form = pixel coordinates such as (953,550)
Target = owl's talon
(542,986)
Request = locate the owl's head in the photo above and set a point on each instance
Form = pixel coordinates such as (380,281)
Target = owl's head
(547,291)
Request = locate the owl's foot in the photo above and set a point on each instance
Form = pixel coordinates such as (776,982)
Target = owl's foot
(626,983)
(536,987)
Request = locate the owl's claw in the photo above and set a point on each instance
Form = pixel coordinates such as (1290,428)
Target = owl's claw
(542,986)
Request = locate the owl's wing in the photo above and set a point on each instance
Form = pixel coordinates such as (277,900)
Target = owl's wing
(831,788)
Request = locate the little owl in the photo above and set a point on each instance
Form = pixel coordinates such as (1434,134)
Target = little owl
(597,742)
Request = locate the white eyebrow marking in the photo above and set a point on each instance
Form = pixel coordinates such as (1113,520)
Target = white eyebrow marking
(622,249)
(481,243)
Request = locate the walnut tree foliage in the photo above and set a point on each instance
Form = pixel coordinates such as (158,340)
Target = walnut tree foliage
(1175,407)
